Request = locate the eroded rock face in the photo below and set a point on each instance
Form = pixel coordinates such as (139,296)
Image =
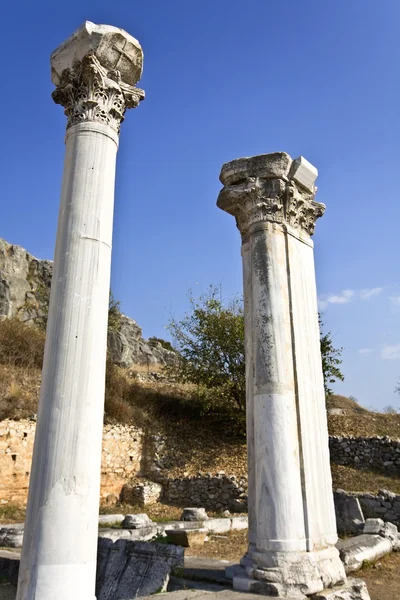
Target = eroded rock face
(24,293)
(24,283)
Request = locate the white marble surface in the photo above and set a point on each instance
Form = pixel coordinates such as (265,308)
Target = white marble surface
(251,471)
(60,541)
(272,199)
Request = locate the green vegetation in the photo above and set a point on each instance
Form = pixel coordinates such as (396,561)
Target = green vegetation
(210,343)
(114,313)
(331,360)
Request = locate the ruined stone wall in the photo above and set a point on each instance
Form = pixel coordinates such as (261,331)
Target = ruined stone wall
(122,458)
(384,505)
(374,453)
(213,492)
(128,453)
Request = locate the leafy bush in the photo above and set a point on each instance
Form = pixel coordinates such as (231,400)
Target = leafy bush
(210,343)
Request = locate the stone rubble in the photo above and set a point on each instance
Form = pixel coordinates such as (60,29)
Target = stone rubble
(136,521)
(194,514)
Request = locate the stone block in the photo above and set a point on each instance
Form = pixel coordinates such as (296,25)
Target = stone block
(136,521)
(274,165)
(143,534)
(188,538)
(128,570)
(354,551)
(107,519)
(194,514)
(378,527)
(239,523)
(353,589)
(217,525)
(11,537)
(349,515)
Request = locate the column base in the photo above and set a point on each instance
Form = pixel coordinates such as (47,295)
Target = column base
(351,589)
(290,574)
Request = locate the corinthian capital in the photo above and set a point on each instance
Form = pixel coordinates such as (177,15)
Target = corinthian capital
(95,72)
(270,188)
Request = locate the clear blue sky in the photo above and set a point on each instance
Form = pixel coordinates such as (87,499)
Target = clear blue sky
(224,79)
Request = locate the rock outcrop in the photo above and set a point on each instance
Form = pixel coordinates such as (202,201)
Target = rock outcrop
(24,293)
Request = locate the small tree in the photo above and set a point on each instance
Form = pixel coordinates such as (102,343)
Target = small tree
(114,313)
(210,343)
(331,360)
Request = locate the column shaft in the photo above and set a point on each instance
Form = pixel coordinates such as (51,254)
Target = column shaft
(60,542)
(280,521)
(251,472)
(290,487)
(319,511)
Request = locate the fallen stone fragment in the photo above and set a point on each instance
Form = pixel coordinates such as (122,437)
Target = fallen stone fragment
(354,551)
(128,570)
(188,538)
(107,519)
(194,514)
(353,589)
(136,521)
(142,534)
(378,527)
(349,514)
(11,536)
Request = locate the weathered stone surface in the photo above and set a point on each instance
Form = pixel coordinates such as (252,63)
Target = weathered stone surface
(110,519)
(264,165)
(354,551)
(127,570)
(353,589)
(349,515)
(194,514)
(136,521)
(11,536)
(143,534)
(143,494)
(378,527)
(24,283)
(24,293)
(188,538)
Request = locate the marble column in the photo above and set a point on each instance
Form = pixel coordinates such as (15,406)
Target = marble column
(95,72)
(292,531)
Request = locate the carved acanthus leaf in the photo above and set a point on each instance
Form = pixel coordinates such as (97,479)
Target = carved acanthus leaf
(257,200)
(89,93)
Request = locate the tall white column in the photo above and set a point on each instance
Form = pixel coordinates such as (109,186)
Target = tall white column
(292,520)
(95,72)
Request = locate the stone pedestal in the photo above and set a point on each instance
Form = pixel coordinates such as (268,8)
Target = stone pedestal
(95,72)
(292,528)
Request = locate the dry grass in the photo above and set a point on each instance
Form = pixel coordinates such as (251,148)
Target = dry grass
(19,391)
(368,424)
(354,480)
(21,345)
(336,401)
(10,513)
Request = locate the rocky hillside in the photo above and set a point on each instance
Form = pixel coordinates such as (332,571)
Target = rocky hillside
(24,293)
